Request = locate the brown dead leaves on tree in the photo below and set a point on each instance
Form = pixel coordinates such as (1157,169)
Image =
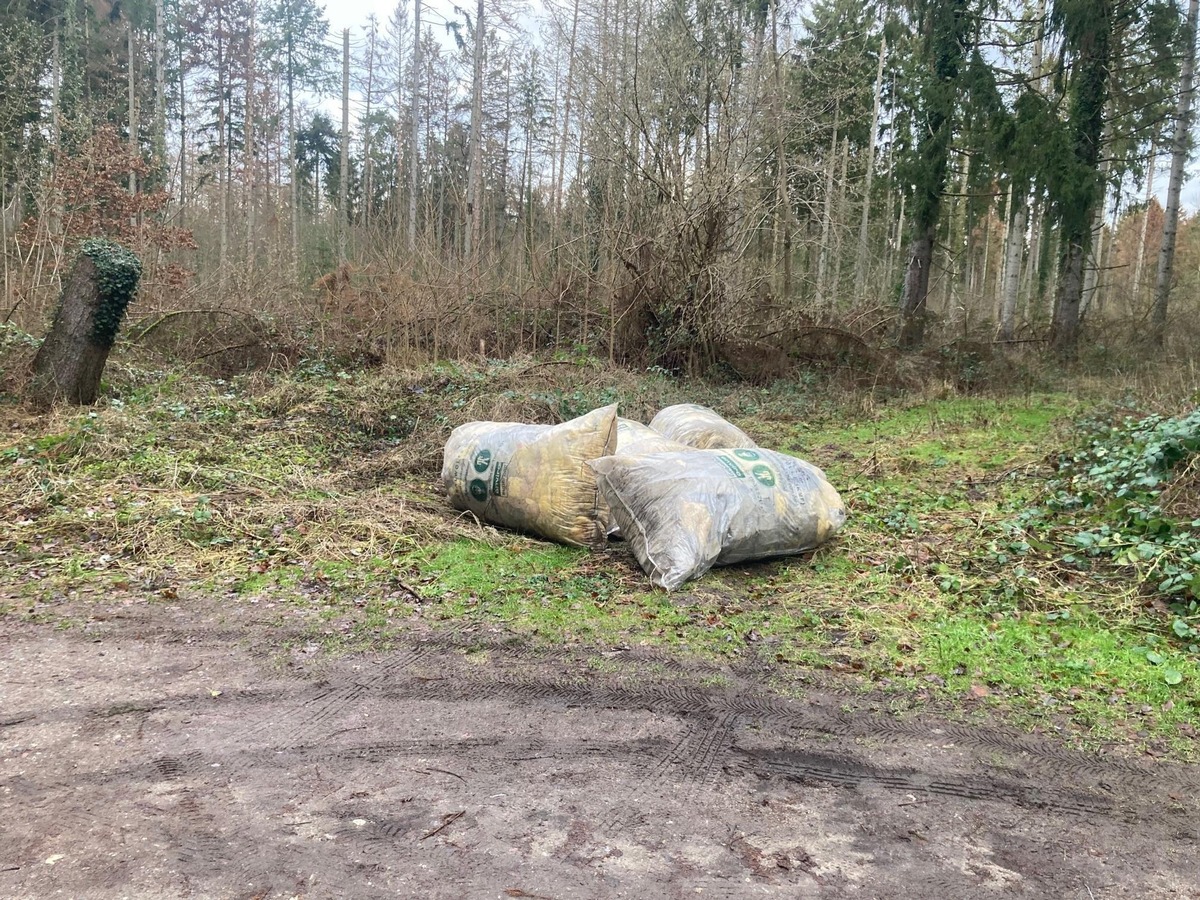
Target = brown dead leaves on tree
(90,197)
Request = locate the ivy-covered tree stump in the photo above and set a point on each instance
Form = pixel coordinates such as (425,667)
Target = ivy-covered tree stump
(94,299)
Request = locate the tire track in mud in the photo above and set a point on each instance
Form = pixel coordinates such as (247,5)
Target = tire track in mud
(805,766)
(334,695)
(310,707)
(199,844)
(1032,755)
(204,838)
(710,719)
(690,762)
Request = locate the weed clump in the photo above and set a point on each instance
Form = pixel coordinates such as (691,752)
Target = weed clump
(1125,499)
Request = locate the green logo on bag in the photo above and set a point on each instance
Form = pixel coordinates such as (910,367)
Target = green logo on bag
(478,489)
(763,475)
(746,454)
(483,459)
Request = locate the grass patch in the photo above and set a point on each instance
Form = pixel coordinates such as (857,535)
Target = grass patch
(314,495)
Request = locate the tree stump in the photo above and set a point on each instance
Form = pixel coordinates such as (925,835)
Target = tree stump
(94,298)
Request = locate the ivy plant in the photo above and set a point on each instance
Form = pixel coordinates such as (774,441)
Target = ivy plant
(118,272)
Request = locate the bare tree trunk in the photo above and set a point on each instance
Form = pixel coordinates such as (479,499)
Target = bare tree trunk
(1139,263)
(568,90)
(248,157)
(293,188)
(1033,262)
(133,107)
(1179,148)
(183,142)
(160,86)
(959,252)
(979,278)
(1064,324)
(475,173)
(783,200)
(344,180)
(1014,243)
(70,362)
(1091,275)
(862,262)
(414,153)
(916,288)
(222,147)
(827,214)
(55,99)
(366,128)
(836,277)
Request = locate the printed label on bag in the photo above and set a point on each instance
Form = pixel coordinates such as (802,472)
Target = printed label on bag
(500,480)
(734,469)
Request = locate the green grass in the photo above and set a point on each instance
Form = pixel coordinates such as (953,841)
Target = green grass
(314,496)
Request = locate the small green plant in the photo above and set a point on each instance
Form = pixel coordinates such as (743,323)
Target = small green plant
(1121,473)
(1106,508)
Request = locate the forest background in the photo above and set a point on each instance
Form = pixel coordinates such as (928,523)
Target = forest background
(683,185)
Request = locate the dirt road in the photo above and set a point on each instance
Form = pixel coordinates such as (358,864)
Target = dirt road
(169,754)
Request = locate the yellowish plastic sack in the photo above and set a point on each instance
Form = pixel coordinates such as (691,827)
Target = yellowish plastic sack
(636,439)
(698,426)
(683,513)
(533,478)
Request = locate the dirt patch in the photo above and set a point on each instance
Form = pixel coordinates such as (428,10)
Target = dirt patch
(181,754)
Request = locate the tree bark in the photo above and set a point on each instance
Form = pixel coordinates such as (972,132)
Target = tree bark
(1179,147)
(1014,244)
(344,179)
(1064,327)
(916,289)
(413,153)
(827,214)
(475,172)
(1088,93)
(70,362)
(365,213)
(160,88)
(133,107)
(947,42)
(1139,263)
(862,260)
(293,191)
(248,150)
(223,173)
(568,90)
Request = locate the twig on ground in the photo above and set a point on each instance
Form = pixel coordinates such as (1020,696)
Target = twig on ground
(447,820)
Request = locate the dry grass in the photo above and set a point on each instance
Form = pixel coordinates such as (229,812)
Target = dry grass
(177,475)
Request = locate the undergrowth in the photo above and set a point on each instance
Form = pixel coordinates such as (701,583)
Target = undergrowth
(997,559)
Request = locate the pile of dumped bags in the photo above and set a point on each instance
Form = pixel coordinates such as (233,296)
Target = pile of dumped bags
(688,492)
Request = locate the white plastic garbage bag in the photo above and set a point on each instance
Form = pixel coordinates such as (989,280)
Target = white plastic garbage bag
(684,512)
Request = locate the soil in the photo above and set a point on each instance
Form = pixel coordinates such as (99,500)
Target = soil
(192,751)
